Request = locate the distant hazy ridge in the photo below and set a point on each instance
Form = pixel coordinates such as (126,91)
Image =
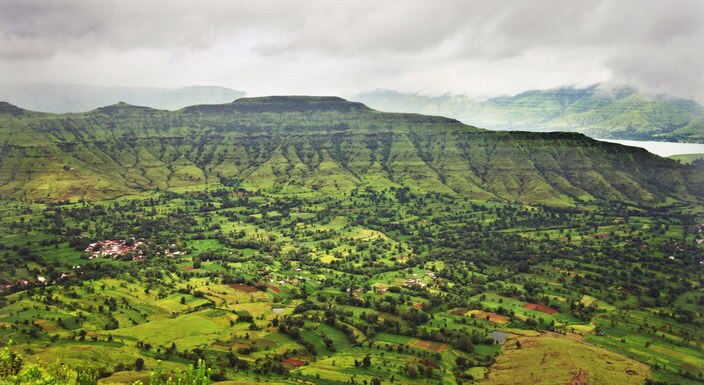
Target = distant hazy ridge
(60,98)
(598,111)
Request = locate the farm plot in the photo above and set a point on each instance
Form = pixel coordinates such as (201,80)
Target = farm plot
(491,317)
(540,308)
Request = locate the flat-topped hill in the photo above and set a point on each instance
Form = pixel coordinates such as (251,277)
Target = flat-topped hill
(320,143)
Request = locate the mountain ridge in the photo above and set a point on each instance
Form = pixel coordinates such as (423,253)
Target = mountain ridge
(11,109)
(304,143)
(597,110)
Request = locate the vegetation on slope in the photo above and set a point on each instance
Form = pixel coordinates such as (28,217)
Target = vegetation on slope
(598,111)
(694,159)
(321,143)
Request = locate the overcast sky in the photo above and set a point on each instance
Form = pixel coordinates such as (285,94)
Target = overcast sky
(479,48)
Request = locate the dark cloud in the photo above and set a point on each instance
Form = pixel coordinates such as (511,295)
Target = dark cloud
(474,47)
(82,26)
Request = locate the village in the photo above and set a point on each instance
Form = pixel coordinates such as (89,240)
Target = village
(116,249)
(131,247)
(22,284)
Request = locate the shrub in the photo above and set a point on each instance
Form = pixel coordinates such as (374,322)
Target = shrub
(10,361)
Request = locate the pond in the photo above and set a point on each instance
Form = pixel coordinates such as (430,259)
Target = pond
(498,336)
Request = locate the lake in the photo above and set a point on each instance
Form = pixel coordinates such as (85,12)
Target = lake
(661,148)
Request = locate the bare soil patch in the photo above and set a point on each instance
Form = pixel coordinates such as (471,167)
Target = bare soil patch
(492,317)
(244,288)
(428,345)
(540,308)
(293,362)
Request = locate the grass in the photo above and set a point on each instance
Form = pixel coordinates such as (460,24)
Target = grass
(554,359)
(187,331)
(393,338)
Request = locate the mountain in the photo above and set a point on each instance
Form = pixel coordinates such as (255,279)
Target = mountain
(598,111)
(318,143)
(61,98)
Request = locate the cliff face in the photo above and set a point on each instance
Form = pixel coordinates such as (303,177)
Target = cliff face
(321,143)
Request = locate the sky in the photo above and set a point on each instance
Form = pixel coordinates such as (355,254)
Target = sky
(337,47)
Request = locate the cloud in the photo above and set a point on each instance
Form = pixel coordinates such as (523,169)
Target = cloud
(475,47)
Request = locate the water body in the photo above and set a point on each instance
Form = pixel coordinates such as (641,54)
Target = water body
(663,149)
(498,336)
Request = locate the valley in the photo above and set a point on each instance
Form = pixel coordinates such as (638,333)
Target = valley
(277,286)
(288,240)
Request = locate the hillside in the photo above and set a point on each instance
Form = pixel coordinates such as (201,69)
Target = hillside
(319,143)
(694,159)
(62,98)
(598,111)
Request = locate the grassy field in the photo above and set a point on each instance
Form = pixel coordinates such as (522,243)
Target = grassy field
(554,359)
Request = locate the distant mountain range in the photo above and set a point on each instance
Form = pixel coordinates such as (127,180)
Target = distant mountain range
(598,111)
(61,98)
(318,143)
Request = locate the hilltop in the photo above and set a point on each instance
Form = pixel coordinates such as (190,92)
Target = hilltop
(319,143)
(598,111)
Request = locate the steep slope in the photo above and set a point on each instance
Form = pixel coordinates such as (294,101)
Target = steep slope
(598,111)
(320,143)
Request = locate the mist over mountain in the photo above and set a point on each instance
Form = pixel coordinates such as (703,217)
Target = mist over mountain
(62,98)
(599,111)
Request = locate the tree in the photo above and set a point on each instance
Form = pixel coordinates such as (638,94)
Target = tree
(464,343)
(139,364)
(653,291)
